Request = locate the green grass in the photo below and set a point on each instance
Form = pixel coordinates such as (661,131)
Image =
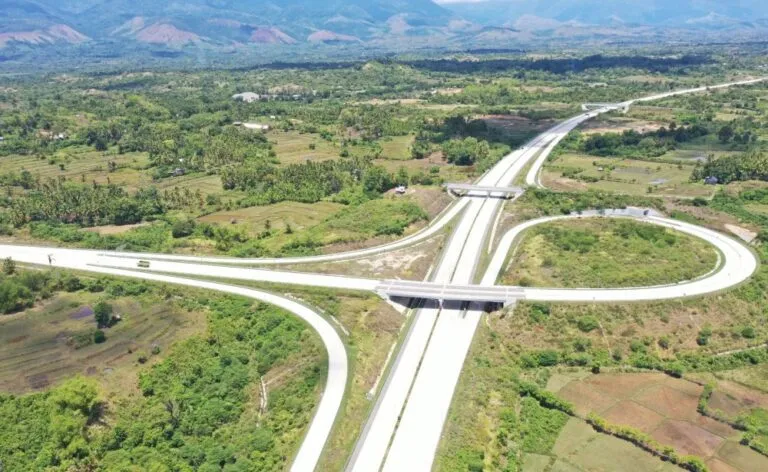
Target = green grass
(753,377)
(83,164)
(579,447)
(540,426)
(606,252)
(280,215)
(627,176)
(293,147)
(396,148)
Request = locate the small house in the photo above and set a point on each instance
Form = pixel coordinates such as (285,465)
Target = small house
(711,180)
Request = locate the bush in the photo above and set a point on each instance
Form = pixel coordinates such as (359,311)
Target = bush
(99,336)
(704,334)
(183,228)
(748,332)
(545,398)
(587,323)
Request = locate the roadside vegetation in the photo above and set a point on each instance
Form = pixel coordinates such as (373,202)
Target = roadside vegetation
(606,252)
(680,380)
(156,402)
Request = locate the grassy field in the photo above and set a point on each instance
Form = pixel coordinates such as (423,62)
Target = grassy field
(755,377)
(628,176)
(665,408)
(83,165)
(297,215)
(445,171)
(36,348)
(606,252)
(397,148)
(580,448)
(293,147)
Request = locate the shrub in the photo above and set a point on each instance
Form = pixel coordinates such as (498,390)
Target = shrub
(748,332)
(587,323)
(183,228)
(704,334)
(99,336)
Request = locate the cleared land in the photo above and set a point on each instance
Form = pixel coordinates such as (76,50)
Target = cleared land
(280,215)
(293,147)
(629,176)
(606,252)
(38,347)
(397,148)
(663,407)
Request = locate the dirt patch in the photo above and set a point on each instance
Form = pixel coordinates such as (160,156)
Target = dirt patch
(619,126)
(412,262)
(742,457)
(552,180)
(623,385)
(629,413)
(17,339)
(687,438)
(742,233)
(37,381)
(734,399)
(114,229)
(716,465)
(586,398)
(670,402)
(717,428)
(82,312)
(431,200)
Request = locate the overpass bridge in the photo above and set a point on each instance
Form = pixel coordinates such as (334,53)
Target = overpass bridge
(624,107)
(450,292)
(489,191)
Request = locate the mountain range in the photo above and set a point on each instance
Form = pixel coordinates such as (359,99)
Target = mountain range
(122,25)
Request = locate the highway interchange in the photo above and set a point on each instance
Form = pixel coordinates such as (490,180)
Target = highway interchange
(404,428)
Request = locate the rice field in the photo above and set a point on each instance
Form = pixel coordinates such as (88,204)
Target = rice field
(37,350)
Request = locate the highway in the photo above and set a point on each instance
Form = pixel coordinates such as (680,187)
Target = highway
(404,428)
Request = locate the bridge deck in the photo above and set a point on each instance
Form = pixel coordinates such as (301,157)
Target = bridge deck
(487,190)
(450,292)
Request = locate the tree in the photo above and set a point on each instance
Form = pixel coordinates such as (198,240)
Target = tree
(9,266)
(725,134)
(401,178)
(465,152)
(102,312)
